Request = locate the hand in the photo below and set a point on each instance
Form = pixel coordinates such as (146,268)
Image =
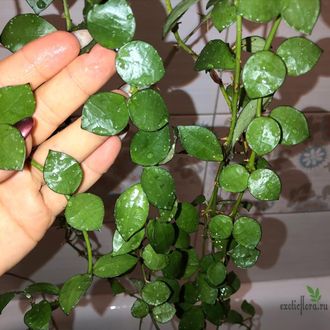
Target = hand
(62,82)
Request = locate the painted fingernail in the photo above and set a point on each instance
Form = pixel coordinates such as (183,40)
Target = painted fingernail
(25,126)
(123,135)
(83,37)
(126,88)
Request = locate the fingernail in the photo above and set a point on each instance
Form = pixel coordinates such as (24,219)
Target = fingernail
(123,135)
(126,88)
(25,126)
(83,37)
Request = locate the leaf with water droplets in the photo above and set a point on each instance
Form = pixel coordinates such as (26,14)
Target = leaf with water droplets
(223,14)
(247,232)
(120,246)
(260,11)
(39,5)
(234,178)
(164,312)
(155,293)
(39,316)
(220,227)
(152,260)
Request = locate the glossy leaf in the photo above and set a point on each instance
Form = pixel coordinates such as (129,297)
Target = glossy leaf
(244,257)
(207,294)
(253,44)
(105,114)
(39,316)
(263,135)
(154,261)
(215,55)
(139,309)
(247,232)
(22,29)
(111,24)
(109,266)
(216,273)
(167,215)
(5,299)
(220,227)
(155,293)
(264,184)
(300,55)
(263,73)
(72,291)
(223,14)
(116,287)
(16,103)
(192,263)
(176,265)
(85,212)
(200,142)
(293,124)
(193,319)
(232,285)
(12,146)
(62,173)
(301,14)
(42,288)
(139,64)
(161,235)
(248,308)
(260,11)
(39,5)
(150,148)
(187,217)
(164,313)
(183,240)
(148,110)
(120,246)
(234,178)
(159,186)
(131,211)
(174,287)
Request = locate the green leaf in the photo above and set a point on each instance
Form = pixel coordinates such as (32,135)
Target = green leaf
(131,211)
(234,178)
(174,287)
(155,293)
(176,14)
(160,235)
(139,309)
(244,257)
(247,232)
(164,313)
(120,246)
(16,103)
(192,263)
(62,173)
(260,11)
(211,3)
(105,114)
(263,135)
(301,14)
(159,186)
(47,288)
(39,316)
(183,240)
(223,14)
(207,294)
(150,148)
(232,285)
(22,29)
(116,287)
(112,266)
(12,146)
(139,64)
(111,24)
(39,5)
(263,73)
(253,44)
(72,291)
(193,319)
(216,273)
(201,143)
(187,218)
(148,110)
(5,299)
(220,227)
(234,317)
(214,313)
(248,308)
(215,55)
(85,212)
(154,261)
(264,184)
(300,55)
(189,293)
(176,265)
(168,215)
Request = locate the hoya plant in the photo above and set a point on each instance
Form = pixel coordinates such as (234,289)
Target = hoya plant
(153,227)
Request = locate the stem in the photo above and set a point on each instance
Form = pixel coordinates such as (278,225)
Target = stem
(36,165)
(204,20)
(235,209)
(67,15)
(89,252)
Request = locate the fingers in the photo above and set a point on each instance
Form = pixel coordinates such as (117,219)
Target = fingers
(39,60)
(94,166)
(59,97)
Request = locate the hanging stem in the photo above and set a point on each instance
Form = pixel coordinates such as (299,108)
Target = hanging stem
(89,252)
(203,20)
(67,15)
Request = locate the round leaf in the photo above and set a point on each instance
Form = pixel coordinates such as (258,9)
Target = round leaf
(244,257)
(111,24)
(62,173)
(155,293)
(220,227)
(183,240)
(192,319)
(260,11)
(167,215)
(263,135)
(164,312)
(188,218)
(22,29)
(234,178)
(207,294)
(139,64)
(300,55)
(253,44)
(293,124)
(153,260)
(131,211)
(223,14)
(159,187)
(12,146)
(85,212)
(264,184)
(160,235)
(192,263)
(175,266)
(150,148)
(112,266)
(39,316)
(216,273)
(148,110)
(247,232)
(215,55)
(105,114)
(120,246)
(200,142)
(139,309)
(263,74)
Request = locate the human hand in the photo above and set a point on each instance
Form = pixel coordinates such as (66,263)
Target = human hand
(62,82)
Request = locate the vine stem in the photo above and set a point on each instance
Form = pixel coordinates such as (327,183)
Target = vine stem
(67,15)
(89,251)
(36,165)
(203,21)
